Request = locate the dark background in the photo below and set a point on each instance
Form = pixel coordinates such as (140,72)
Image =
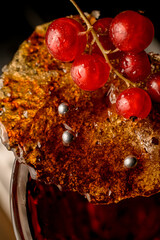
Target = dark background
(18,19)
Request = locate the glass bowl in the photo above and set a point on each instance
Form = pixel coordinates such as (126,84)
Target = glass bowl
(18,201)
(46,212)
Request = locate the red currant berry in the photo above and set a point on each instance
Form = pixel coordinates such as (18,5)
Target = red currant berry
(133,103)
(101,27)
(135,66)
(130,31)
(153,86)
(65,40)
(90,72)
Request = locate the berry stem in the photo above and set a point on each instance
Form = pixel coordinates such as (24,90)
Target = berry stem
(90,28)
(128,83)
(112,51)
(96,39)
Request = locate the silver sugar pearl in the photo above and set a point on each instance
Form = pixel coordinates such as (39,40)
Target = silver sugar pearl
(67,137)
(63,108)
(130,161)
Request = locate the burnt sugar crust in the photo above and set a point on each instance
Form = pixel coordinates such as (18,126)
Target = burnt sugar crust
(34,85)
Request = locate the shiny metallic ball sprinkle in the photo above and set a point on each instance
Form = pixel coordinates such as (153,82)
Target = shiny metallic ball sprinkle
(130,161)
(63,108)
(67,137)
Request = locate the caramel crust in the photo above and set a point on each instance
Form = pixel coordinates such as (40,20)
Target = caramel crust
(34,84)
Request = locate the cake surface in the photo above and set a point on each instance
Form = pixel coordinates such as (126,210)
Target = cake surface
(34,85)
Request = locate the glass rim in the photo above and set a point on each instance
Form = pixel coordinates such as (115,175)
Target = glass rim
(18,209)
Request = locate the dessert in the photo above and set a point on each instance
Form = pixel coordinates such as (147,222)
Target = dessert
(68,215)
(85,149)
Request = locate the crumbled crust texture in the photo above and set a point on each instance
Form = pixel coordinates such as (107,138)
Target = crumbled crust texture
(34,84)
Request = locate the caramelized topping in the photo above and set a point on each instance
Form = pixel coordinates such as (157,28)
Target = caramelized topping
(34,85)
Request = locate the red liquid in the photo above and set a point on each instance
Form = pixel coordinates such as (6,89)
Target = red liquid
(58,215)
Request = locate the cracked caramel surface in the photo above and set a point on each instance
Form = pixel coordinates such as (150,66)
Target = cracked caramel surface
(34,84)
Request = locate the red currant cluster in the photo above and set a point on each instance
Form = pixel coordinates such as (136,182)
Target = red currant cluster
(66,40)
(124,37)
